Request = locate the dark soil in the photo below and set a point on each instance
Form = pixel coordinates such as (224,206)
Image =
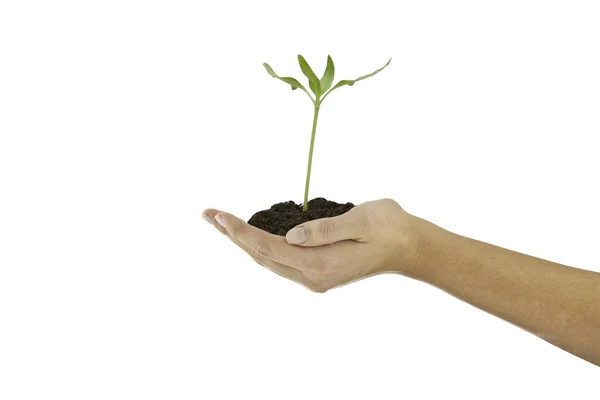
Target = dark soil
(282,217)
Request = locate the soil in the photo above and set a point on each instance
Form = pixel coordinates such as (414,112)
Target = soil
(282,217)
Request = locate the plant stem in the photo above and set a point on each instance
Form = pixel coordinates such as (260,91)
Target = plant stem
(310,153)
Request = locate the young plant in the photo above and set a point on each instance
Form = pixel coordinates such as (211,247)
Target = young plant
(321,89)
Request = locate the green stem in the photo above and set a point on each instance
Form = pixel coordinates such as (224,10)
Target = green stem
(310,154)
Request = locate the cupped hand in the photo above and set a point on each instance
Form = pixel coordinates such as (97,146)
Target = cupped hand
(372,238)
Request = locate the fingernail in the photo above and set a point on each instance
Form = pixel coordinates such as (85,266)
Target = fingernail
(296,235)
(208,219)
(220,220)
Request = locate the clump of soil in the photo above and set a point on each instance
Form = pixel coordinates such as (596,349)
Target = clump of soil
(282,217)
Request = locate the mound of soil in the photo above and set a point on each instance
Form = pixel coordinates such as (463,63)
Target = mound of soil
(282,217)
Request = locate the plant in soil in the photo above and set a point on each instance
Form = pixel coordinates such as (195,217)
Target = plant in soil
(282,217)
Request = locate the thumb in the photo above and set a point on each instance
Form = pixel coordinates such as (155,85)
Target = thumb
(348,226)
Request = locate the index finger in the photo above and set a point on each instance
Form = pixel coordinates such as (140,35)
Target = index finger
(266,245)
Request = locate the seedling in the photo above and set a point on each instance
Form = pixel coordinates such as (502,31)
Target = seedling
(321,89)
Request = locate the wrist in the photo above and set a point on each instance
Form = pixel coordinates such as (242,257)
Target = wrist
(431,250)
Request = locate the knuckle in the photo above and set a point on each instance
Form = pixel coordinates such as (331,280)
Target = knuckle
(362,221)
(234,230)
(364,224)
(326,229)
(262,249)
(317,287)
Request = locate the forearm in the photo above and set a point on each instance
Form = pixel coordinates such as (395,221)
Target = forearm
(560,304)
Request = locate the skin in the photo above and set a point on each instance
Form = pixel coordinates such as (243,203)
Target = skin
(559,304)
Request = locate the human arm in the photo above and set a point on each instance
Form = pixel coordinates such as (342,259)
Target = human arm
(557,303)
(560,304)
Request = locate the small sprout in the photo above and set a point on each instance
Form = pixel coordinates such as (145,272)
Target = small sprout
(321,89)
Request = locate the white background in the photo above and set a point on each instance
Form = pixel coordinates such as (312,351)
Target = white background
(121,120)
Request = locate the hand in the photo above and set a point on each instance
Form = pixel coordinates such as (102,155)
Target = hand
(372,238)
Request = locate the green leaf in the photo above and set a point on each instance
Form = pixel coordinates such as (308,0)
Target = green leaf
(327,78)
(313,81)
(291,81)
(352,82)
